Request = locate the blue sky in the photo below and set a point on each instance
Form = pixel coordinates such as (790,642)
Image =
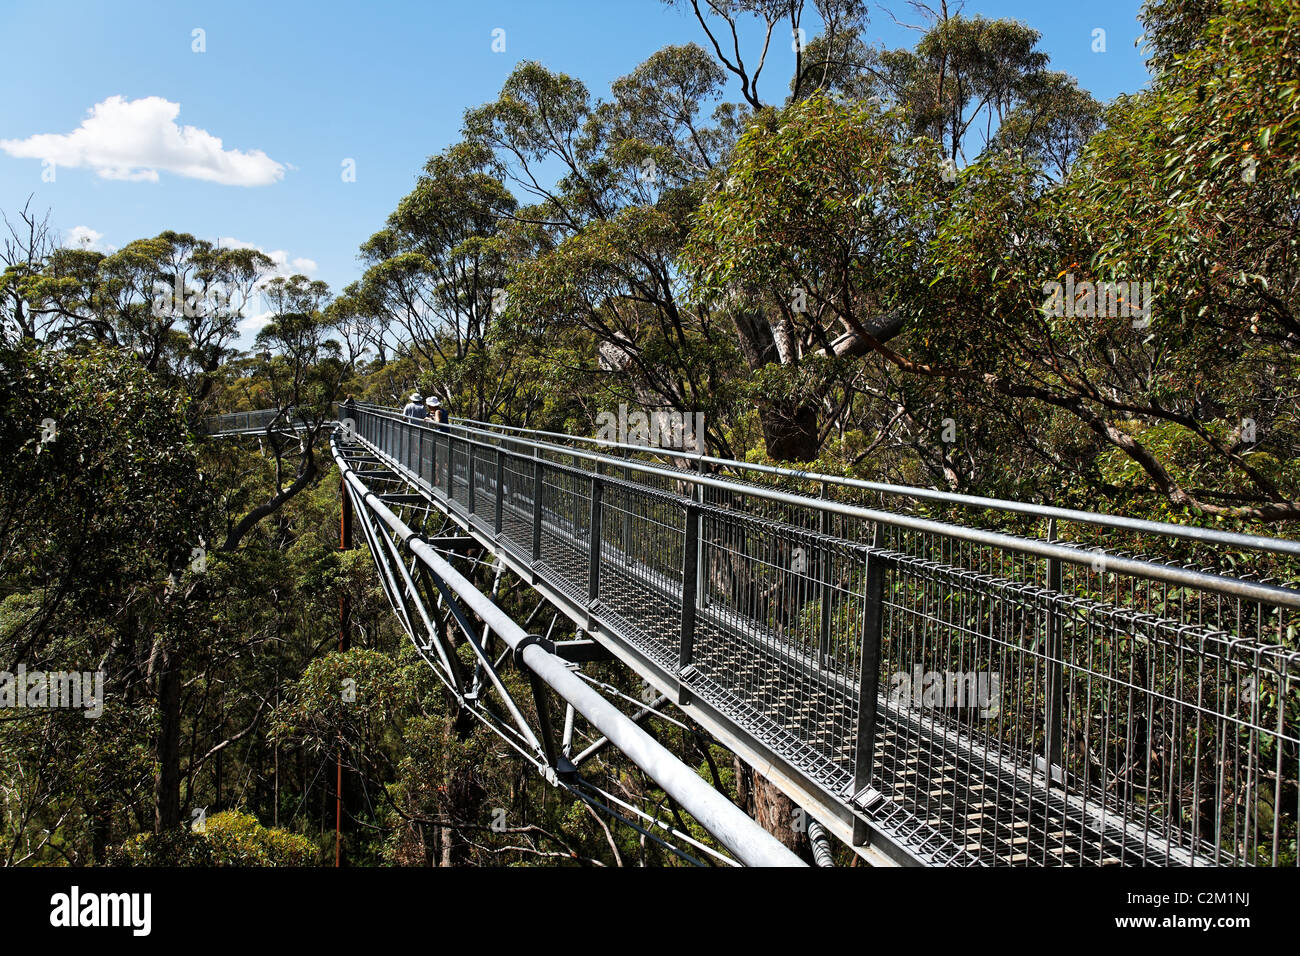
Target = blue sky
(298,88)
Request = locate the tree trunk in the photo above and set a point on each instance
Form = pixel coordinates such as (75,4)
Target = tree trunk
(790,430)
(789,425)
(773,810)
(167,784)
(101,829)
(463,795)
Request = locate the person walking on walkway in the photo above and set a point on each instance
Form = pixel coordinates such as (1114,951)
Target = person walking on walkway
(436,412)
(415,407)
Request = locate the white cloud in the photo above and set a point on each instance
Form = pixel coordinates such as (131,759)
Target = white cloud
(83,237)
(284,266)
(134,139)
(250,325)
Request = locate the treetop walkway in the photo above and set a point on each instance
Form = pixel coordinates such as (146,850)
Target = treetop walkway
(937,679)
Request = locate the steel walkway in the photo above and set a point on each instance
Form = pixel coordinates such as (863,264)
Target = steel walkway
(933,693)
(269,421)
(434,601)
(1126,711)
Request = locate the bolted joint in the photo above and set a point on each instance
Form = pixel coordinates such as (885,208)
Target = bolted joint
(547,645)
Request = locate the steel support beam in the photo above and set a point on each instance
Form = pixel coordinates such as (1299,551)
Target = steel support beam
(741,835)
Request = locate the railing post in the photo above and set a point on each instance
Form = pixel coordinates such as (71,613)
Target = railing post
(500,489)
(593,567)
(690,577)
(864,749)
(451,470)
(625,543)
(701,589)
(433,461)
(1053,672)
(469,474)
(824,564)
(537,506)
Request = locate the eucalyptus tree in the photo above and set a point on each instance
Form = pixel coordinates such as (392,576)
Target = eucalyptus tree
(300,374)
(362,325)
(1190,196)
(101,501)
(1052,123)
(1130,329)
(173,300)
(817,231)
(434,274)
(784,22)
(592,261)
(801,317)
(23,251)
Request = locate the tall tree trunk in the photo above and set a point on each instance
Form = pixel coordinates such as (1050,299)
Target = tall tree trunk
(463,793)
(789,424)
(790,430)
(772,810)
(101,829)
(167,783)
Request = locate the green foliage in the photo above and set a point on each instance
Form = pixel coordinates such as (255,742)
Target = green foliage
(238,839)
(170,848)
(814,200)
(339,695)
(819,277)
(105,501)
(229,838)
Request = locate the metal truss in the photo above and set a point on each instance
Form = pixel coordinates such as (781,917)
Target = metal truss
(1144,706)
(413,546)
(1138,715)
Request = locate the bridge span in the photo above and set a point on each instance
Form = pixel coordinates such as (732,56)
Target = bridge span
(936,679)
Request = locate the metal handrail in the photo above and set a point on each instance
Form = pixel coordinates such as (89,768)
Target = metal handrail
(1118,522)
(1213,582)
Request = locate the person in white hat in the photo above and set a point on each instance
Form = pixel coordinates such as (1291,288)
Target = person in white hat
(415,407)
(436,412)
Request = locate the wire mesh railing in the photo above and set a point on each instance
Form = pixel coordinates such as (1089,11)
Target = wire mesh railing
(984,697)
(240,422)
